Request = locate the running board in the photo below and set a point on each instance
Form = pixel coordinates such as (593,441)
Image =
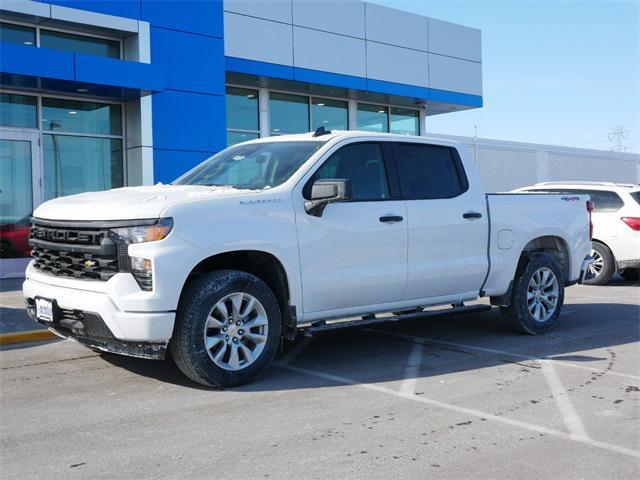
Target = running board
(368,320)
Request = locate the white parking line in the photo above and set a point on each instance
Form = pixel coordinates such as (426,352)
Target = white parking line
(561,397)
(435,342)
(412,370)
(467,411)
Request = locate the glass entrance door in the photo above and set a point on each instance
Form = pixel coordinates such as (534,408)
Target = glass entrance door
(19,193)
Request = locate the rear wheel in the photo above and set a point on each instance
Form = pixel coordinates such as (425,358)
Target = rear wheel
(227,329)
(537,296)
(602,268)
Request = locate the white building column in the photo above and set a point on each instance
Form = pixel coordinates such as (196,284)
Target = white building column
(422,116)
(263,114)
(352,106)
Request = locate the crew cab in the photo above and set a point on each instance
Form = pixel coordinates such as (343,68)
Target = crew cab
(297,232)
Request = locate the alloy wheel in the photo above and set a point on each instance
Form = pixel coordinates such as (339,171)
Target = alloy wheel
(542,294)
(236,331)
(597,265)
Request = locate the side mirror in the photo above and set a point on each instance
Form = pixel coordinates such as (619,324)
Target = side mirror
(324,192)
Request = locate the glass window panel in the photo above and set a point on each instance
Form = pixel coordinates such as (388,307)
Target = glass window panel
(18,110)
(405,121)
(69,42)
(81,164)
(238,137)
(373,118)
(330,114)
(362,164)
(16,200)
(81,117)
(603,200)
(256,165)
(427,172)
(288,113)
(242,109)
(17,34)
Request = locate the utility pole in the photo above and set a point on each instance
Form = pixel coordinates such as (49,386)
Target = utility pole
(617,135)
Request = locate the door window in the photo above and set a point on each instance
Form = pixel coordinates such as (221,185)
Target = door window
(363,165)
(429,172)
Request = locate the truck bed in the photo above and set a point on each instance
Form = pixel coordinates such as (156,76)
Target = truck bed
(517,218)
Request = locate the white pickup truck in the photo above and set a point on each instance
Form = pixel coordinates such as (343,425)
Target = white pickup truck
(297,232)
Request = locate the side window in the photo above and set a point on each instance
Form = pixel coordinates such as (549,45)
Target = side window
(605,201)
(363,165)
(429,172)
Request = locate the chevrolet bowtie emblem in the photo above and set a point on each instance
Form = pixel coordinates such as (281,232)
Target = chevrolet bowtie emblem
(89,263)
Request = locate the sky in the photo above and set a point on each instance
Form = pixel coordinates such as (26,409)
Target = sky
(554,72)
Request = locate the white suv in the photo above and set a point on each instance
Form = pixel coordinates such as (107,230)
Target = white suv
(616,226)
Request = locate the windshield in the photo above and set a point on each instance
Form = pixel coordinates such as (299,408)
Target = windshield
(252,166)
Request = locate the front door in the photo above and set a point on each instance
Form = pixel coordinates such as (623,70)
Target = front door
(20,192)
(355,254)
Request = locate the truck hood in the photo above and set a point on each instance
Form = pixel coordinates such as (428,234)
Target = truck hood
(129,203)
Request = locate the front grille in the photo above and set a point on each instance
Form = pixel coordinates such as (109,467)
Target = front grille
(73,250)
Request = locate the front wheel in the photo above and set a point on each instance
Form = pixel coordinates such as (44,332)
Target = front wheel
(227,329)
(537,296)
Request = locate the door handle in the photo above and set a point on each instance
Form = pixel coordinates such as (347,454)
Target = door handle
(391,218)
(472,215)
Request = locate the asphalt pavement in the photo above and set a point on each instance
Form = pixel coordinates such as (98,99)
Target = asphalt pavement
(455,397)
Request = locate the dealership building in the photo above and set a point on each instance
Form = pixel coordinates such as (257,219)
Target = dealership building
(103,94)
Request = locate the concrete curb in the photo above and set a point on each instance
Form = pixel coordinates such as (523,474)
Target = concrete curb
(26,336)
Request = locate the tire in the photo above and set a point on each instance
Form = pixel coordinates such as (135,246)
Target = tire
(211,315)
(541,270)
(631,274)
(603,266)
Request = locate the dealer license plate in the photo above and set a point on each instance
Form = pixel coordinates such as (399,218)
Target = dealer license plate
(44,309)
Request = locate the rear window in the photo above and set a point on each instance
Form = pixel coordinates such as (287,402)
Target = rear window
(603,200)
(636,196)
(429,171)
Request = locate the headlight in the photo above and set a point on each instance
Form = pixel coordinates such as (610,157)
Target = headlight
(145,233)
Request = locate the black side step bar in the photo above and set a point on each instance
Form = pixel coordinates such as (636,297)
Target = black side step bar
(371,319)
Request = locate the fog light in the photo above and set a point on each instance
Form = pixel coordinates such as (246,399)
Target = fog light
(142,271)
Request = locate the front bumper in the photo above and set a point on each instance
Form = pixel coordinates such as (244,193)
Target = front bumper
(625,264)
(94,319)
(152,351)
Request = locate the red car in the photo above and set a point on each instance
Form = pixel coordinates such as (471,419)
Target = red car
(14,239)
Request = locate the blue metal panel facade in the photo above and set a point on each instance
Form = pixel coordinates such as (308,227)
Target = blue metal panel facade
(186,76)
(186,72)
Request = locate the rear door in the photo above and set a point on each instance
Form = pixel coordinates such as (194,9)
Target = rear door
(355,254)
(447,222)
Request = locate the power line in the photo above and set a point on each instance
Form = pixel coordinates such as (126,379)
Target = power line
(618,135)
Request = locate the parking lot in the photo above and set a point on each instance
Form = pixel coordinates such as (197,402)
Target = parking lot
(452,397)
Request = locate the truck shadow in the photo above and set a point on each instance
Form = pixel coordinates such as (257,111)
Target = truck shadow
(452,344)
